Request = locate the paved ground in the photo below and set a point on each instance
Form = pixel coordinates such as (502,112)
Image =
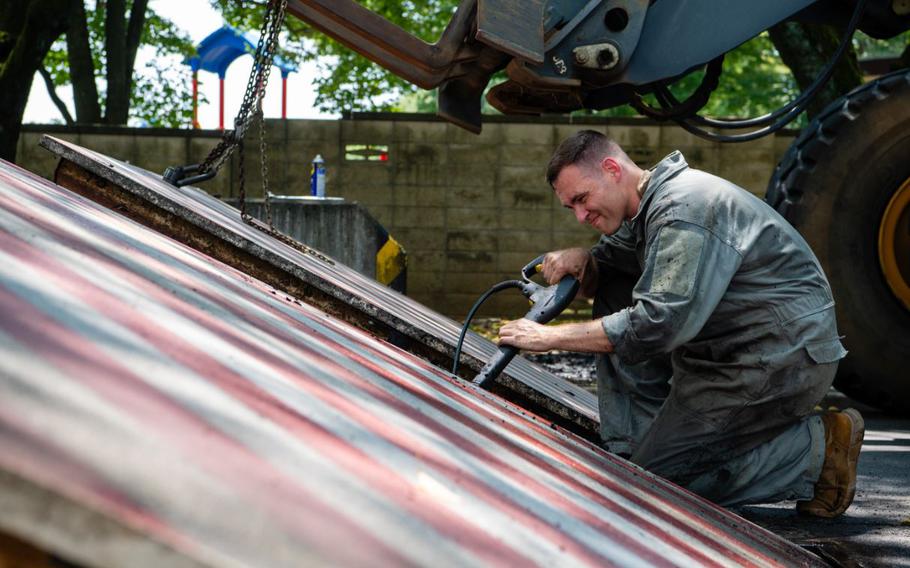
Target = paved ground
(875,531)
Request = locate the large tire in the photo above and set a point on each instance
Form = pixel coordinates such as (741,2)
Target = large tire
(837,182)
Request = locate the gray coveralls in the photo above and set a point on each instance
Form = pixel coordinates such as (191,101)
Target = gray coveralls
(725,346)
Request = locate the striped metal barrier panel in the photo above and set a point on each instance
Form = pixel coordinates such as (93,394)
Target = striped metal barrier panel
(160,408)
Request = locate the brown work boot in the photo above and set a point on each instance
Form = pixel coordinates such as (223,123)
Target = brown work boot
(837,483)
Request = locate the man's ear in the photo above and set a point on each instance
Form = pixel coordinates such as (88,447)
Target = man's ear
(611,168)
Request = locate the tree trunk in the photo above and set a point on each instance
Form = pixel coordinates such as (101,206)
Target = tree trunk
(52,93)
(82,67)
(806,49)
(118,97)
(121,44)
(27,30)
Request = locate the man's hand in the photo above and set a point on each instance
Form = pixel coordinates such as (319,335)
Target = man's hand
(558,263)
(525,334)
(575,261)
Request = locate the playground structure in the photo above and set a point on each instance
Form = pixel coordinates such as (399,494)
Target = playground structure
(217,52)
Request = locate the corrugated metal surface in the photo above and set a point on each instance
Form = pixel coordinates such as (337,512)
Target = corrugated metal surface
(220,222)
(235,426)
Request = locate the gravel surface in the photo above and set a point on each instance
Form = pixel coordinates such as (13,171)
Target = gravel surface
(576,368)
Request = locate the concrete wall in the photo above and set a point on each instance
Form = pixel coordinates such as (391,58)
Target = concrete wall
(343,230)
(470,210)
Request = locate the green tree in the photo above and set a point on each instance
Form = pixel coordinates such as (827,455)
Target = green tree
(27,30)
(98,58)
(346,80)
(806,50)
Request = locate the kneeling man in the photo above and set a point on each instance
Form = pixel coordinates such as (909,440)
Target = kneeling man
(710,373)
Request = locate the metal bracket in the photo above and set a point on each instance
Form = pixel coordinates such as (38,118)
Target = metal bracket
(177,175)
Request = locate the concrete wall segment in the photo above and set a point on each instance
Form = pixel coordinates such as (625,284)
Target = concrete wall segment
(469,217)
(474,262)
(523,176)
(427,260)
(482,241)
(421,195)
(533,155)
(418,217)
(366,131)
(422,132)
(322,131)
(521,134)
(423,153)
(472,196)
(536,219)
(492,133)
(471,174)
(478,154)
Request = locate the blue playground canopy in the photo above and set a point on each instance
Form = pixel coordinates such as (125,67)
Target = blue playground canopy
(217,51)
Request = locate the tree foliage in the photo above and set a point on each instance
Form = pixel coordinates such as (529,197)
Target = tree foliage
(346,80)
(98,57)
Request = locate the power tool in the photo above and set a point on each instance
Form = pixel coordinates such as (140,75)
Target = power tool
(547,302)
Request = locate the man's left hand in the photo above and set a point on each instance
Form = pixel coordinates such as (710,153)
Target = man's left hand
(526,334)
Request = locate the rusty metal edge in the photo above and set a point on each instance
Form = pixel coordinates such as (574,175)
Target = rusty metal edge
(202,235)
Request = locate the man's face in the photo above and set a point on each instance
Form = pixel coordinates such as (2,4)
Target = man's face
(594,195)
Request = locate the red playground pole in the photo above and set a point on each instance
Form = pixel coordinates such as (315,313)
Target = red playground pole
(284,97)
(221,103)
(195,99)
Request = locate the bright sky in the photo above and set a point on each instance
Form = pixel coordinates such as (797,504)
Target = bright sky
(198,19)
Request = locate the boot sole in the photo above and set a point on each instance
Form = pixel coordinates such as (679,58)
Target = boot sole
(857,434)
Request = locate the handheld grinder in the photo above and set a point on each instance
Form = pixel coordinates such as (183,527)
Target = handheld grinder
(547,302)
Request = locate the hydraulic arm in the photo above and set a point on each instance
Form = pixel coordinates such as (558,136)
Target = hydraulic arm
(564,55)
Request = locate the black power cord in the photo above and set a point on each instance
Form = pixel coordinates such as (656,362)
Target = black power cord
(505,285)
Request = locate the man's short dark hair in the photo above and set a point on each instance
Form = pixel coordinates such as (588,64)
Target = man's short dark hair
(583,147)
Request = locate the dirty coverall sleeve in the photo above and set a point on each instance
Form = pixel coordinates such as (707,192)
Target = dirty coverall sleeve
(686,273)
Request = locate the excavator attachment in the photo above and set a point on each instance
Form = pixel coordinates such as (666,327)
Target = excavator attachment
(565,55)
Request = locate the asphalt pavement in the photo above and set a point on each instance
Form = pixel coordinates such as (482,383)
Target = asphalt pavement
(875,530)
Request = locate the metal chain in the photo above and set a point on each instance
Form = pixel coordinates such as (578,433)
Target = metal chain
(263,157)
(264,170)
(272,21)
(241,159)
(268,228)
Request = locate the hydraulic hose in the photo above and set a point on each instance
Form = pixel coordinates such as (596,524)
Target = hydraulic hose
(771,122)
